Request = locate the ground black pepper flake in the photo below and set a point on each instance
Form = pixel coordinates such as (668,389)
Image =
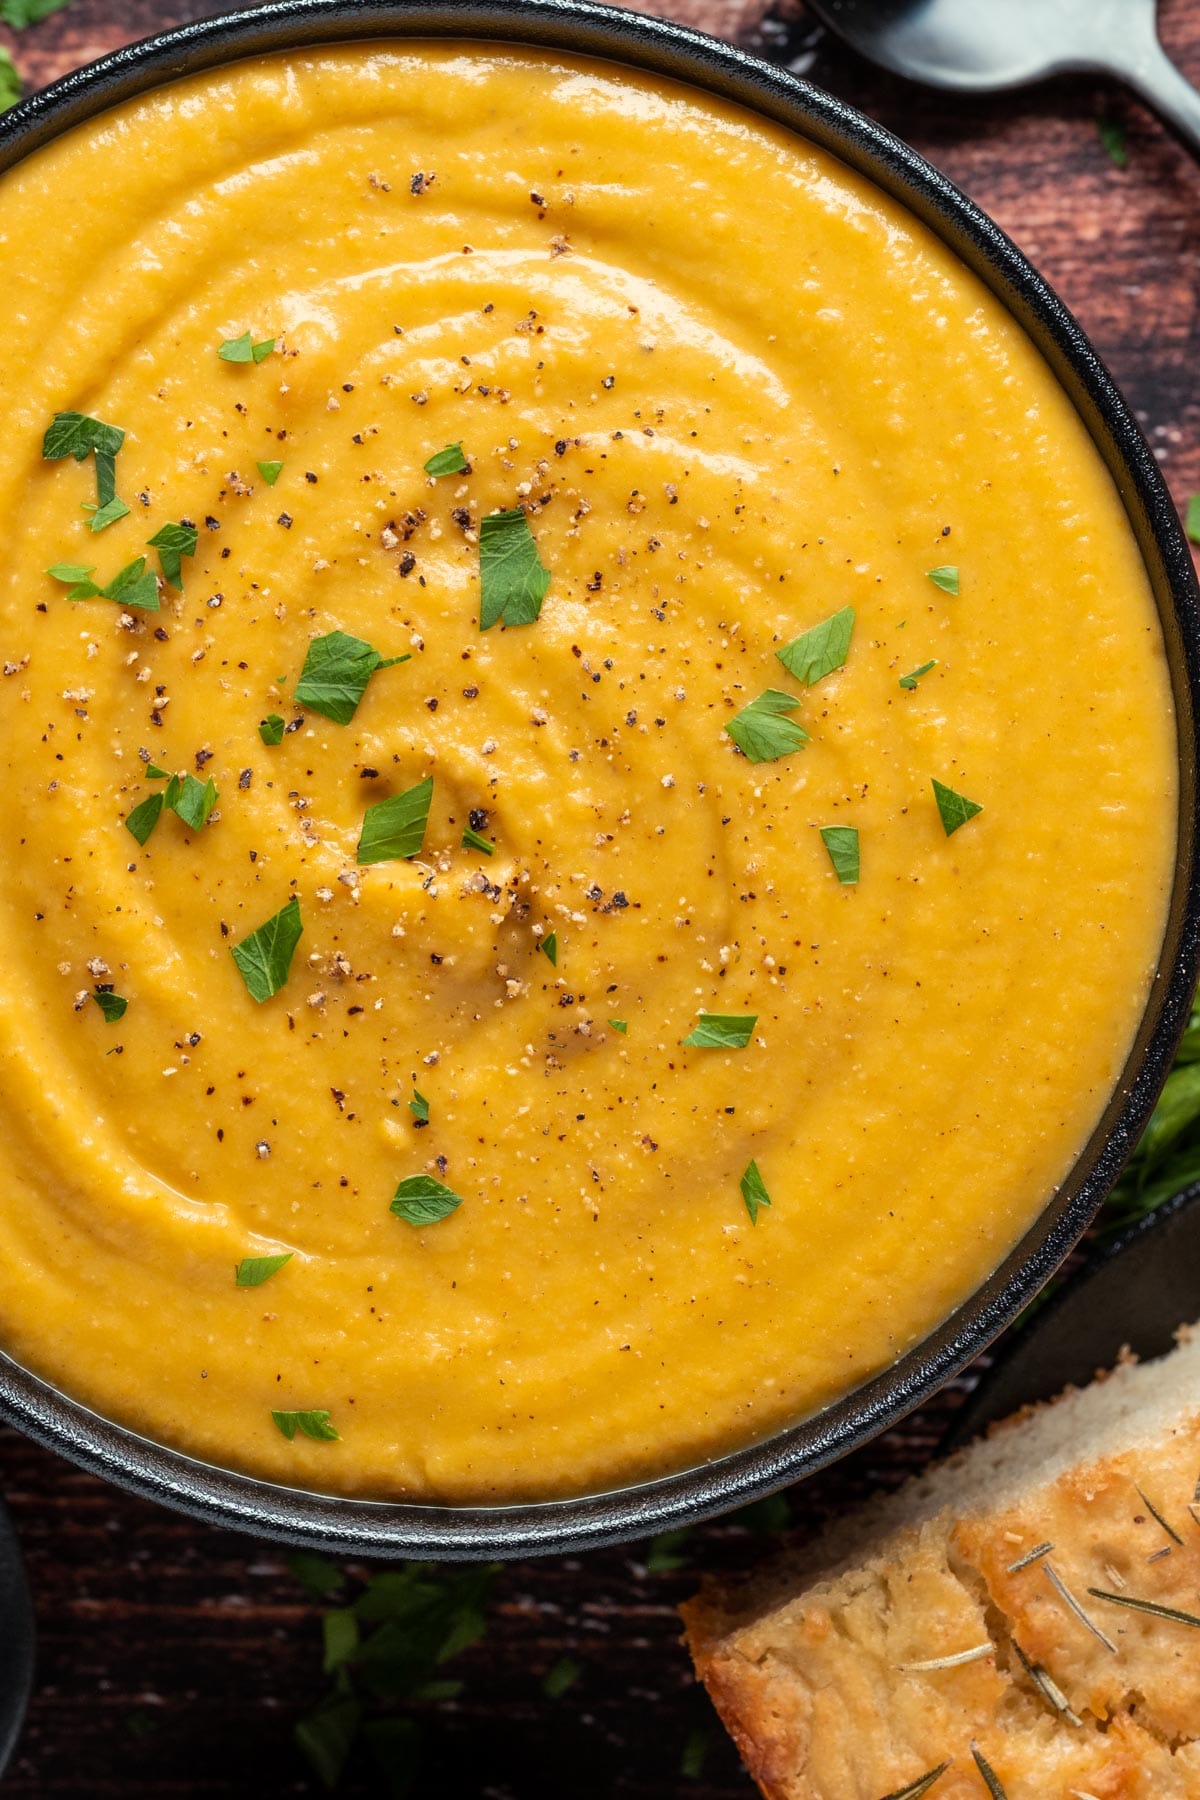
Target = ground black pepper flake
(285,519)
(408,563)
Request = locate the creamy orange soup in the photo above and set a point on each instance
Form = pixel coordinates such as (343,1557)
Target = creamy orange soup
(548,1226)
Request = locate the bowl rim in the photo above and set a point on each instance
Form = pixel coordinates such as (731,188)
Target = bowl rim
(355,1527)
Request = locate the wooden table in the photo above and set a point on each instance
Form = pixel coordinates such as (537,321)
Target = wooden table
(174,1660)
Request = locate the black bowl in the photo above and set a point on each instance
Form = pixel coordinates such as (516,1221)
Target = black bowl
(16,1641)
(653,45)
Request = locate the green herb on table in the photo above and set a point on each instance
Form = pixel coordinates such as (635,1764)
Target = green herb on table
(1112,137)
(763,1517)
(173,543)
(244,349)
(270,472)
(474,840)
(252,1271)
(422,1200)
(955,809)
(336,671)
(513,580)
(310,1422)
(722,1031)
(1192,520)
(549,948)
(10,81)
(111,1005)
(418,1106)
(388,1646)
(945,578)
(841,841)
(271,729)
(820,650)
(134,585)
(763,732)
(449,461)
(667,1553)
(18,14)
(910,681)
(264,959)
(394,828)
(754,1191)
(561,1676)
(695,1754)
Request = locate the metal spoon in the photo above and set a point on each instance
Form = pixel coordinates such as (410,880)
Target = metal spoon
(979,45)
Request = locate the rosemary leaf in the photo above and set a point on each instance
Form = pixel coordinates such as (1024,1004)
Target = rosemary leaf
(1060,1587)
(921,1786)
(991,1779)
(1147,1606)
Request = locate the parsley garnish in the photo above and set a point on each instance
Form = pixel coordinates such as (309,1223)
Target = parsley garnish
(911,680)
(512,578)
(1112,136)
(191,800)
(945,578)
(418,1106)
(395,828)
(820,650)
(621,1025)
(313,1424)
(145,817)
(549,948)
(110,1004)
(173,542)
(667,1551)
(265,957)
(134,585)
(252,1271)
(10,80)
(270,472)
(78,435)
(762,732)
(841,841)
(108,514)
(271,729)
(20,13)
(449,461)
(473,840)
(560,1676)
(1193,518)
(244,350)
(722,1031)
(754,1191)
(336,671)
(955,809)
(420,1200)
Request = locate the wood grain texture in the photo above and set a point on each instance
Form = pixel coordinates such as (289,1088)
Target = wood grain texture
(174,1659)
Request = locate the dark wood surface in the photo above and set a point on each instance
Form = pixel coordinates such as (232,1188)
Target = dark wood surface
(174,1660)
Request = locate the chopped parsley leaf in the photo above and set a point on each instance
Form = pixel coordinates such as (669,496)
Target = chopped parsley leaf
(621,1025)
(173,542)
(945,578)
(955,809)
(76,576)
(418,1106)
(264,959)
(20,13)
(10,80)
(421,1200)
(512,578)
(722,1031)
(106,478)
(910,681)
(152,772)
(75,434)
(1193,518)
(395,828)
(131,586)
(313,1424)
(336,671)
(110,1004)
(144,817)
(560,1676)
(754,1191)
(549,948)
(191,800)
(271,729)
(449,461)
(762,732)
(244,350)
(108,514)
(1112,136)
(270,472)
(841,841)
(473,840)
(252,1271)
(820,650)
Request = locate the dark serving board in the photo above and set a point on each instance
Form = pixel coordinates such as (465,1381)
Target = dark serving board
(16,1639)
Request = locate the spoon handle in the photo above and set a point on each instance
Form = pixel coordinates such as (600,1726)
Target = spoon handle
(1153,75)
